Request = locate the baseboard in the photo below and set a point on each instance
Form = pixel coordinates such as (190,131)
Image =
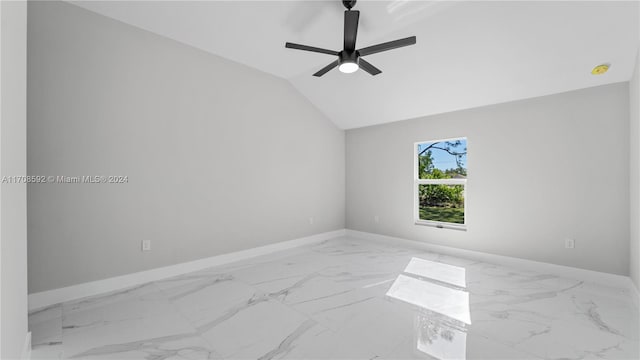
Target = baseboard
(553,269)
(26,348)
(51,297)
(46,298)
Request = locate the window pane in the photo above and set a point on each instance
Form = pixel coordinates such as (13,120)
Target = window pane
(441,203)
(443,159)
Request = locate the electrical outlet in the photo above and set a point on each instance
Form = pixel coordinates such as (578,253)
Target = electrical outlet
(376,219)
(310,221)
(146,245)
(569,243)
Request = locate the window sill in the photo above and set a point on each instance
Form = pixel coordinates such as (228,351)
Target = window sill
(438,225)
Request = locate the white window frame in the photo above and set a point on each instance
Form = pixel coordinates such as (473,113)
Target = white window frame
(417,182)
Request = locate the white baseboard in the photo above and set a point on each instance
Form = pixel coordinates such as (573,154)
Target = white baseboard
(51,297)
(553,269)
(26,348)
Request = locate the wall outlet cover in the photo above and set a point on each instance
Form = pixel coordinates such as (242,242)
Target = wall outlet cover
(569,243)
(146,245)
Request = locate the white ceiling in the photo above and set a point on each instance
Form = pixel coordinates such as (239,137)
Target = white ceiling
(468,54)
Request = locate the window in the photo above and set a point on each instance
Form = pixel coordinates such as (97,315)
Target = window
(440,183)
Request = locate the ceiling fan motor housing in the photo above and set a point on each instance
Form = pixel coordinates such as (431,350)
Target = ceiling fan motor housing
(348,57)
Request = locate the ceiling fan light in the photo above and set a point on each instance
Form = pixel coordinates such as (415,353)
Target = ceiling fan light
(348,67)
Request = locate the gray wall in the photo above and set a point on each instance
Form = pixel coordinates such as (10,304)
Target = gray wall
(540,170)
(220,157)
(13,160)
(634,167)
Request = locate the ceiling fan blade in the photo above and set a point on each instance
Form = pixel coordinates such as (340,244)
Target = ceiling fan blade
(326,69)
(366,66)
(310,48)
(350,29)
(387,46)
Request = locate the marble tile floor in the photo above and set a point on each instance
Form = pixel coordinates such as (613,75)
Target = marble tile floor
(346,299)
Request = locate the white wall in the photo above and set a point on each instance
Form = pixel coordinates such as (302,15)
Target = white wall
(540,170)
(634,167)
(13,197)
(220,157)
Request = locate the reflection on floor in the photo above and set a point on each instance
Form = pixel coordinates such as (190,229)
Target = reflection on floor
(346,299)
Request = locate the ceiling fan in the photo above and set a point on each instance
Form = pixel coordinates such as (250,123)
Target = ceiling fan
(349,59)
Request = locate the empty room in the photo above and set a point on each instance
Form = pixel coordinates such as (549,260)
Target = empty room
(383,179)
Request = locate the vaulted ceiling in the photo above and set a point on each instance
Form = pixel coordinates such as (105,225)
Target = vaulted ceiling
(468,54)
